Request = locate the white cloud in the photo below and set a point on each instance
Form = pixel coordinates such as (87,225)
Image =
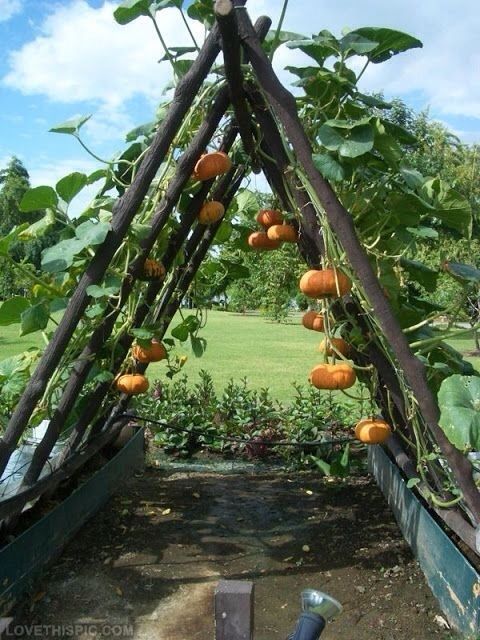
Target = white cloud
(82,54)
(9,8)
(444,73)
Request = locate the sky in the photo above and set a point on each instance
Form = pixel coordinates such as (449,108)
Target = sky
(66,58)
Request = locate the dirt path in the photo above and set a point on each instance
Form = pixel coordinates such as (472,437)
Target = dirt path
(152,558)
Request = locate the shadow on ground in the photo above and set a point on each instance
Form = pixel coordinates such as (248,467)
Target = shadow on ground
(152,557)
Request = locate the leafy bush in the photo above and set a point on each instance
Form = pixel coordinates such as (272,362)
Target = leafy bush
(195,418)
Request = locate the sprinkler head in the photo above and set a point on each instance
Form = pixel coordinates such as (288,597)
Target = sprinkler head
(320,603)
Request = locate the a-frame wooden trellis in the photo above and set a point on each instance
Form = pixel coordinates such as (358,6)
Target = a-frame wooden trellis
(263,109)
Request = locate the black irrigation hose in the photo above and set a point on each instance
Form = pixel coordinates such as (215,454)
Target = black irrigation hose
(268,443)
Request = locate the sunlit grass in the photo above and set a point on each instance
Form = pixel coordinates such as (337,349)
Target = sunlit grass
(248,346)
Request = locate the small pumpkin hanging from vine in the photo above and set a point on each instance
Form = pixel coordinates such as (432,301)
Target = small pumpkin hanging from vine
(269,217)
(259,241)
(282,232)
(333,376)
(313,320)
(152,270)
(331,346)
(132,384)
(154,352)
(372,430)
(211,165)
(211,212)
(325,283)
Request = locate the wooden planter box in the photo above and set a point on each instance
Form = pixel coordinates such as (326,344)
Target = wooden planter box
(24,558)
(453,580)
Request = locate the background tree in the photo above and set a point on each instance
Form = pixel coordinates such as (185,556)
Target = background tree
(14,183)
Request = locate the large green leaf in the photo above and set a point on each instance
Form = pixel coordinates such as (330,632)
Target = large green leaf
(351,141)
(34,318)
(459,400)
(142,131)
(72,126)
(92,233)
(131,9)
(68,187)
(202,10)
(328,167)
(422,274)
(10,238)
(12,309)
(390,42)
(38,198)
(198,345)
(224,233)
(319,47)
(357,44)
(273,39)
(463,272)
(60,256)
(455,211)
(37,229)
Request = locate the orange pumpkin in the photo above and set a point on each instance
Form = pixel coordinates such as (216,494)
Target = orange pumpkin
(132,384)
(282,232)
(211,165)
(323,283)
(372,431)
(313,320)
(269,217)
(153,353)
(153,270)
(326,346)
(260,241)
(332,376)
(211,212)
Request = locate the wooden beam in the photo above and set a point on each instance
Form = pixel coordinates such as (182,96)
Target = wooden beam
(341,223)
(123,214)
(227,24)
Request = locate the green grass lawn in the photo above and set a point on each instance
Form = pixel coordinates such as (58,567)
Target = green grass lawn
(266,353)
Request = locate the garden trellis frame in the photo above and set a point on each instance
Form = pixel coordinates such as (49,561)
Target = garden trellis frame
(266,118)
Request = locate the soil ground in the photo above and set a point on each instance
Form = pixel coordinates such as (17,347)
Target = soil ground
(152,557)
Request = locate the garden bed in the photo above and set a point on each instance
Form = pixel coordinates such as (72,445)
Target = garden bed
(152,557)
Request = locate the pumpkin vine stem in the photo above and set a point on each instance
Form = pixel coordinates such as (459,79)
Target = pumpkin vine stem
(185,22)
(278,30)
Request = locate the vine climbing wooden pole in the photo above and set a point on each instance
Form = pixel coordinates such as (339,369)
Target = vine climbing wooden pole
(227,24)
(284,106)
(85,361)
(123,214)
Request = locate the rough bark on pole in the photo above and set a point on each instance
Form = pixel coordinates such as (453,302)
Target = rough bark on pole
(123,214)
(283,103)
(234,610)
(44,448)
(227,24)
(86,359)
(184,282)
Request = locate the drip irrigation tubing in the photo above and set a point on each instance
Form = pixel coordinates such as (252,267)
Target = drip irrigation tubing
(255,440)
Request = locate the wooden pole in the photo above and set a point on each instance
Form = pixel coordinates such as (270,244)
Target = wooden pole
(86,359)
(227,24)
(284,106)
(123,214)
(183,173)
